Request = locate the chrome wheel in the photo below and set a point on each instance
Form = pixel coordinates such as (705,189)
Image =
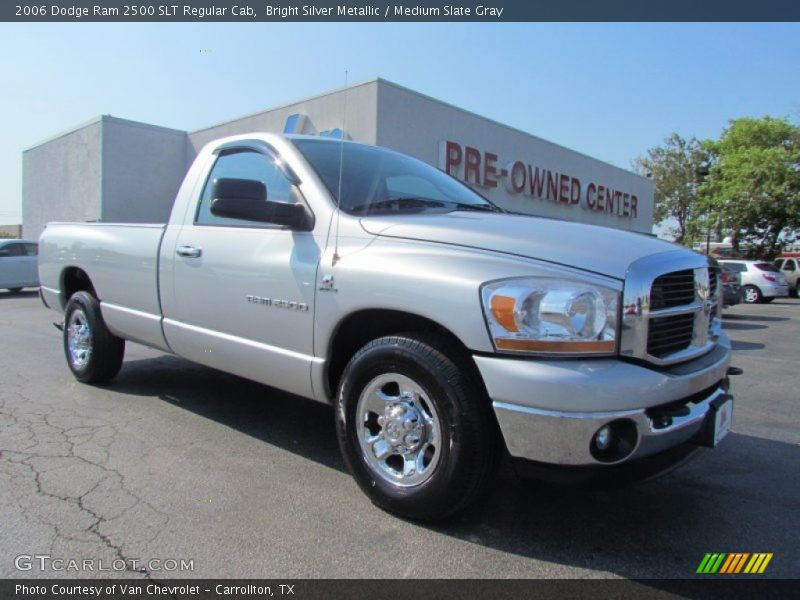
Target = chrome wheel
(79,339)
(398,430)
(751,295)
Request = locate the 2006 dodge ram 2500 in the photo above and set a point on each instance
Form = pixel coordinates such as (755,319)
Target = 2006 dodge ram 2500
(442,328)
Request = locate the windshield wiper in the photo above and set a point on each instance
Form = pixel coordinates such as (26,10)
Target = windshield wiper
(480,207)
(405,202)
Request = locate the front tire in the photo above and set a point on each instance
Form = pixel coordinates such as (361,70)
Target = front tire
(751,294)
(415,430)
(94,354)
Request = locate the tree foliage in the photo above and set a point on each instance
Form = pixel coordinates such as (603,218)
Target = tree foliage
(753,184)
(675,169)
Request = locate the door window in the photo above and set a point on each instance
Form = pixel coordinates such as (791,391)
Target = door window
(13,250)
(244,164)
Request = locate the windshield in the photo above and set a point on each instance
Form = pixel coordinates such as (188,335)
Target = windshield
(376,180)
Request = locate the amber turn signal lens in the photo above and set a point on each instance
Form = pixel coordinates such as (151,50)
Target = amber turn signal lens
(503,311)
(555,346)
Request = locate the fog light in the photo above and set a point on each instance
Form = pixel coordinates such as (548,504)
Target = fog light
(602,438)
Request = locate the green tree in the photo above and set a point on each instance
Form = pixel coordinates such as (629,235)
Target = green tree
(675,168)
(753,184)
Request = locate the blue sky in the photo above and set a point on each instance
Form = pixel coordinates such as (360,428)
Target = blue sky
(608,90)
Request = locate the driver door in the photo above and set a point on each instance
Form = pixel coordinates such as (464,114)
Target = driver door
(243,290)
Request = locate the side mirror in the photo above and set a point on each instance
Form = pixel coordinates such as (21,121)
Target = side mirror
(246,199)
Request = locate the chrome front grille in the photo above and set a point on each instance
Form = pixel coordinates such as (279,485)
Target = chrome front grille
(670,308)
(672,289)
(667,335)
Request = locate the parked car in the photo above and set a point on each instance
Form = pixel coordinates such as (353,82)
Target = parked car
(731,281)
(790,267)
(443,329)
(18,267)
(761,281)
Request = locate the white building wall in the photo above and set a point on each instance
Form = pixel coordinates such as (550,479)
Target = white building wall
(322,113)
(61,179)
(118,170)
(143,167)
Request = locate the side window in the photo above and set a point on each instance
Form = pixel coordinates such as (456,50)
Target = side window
(789,266)
(244,164)
(779,263)
(737,267)
(32,249)
(13,250)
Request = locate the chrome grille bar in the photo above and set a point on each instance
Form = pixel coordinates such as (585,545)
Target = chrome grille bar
(670,308)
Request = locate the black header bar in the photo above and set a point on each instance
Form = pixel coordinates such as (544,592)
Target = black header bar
(412,11)
(356,589)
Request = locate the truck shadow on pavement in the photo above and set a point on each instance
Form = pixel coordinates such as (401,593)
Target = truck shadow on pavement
(736,498)
(290,422)
(727,326)
(6,295)
(726,317)
(741,497)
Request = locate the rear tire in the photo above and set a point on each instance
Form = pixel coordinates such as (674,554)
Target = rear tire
(415,430)
(94,354)
(767,300)
(751,294)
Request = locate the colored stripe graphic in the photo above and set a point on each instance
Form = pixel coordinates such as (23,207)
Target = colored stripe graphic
(711,563)
(758,563)
(734,562)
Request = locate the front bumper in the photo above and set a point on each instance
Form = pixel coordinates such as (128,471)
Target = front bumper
(548,410)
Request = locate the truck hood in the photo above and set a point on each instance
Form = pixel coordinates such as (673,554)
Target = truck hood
(601,250)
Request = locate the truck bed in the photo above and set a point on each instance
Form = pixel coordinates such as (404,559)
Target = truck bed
(121,260)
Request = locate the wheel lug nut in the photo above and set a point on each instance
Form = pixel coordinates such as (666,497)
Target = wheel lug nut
(381,421)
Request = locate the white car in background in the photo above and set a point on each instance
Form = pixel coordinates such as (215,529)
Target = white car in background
(761,281)
(18,264)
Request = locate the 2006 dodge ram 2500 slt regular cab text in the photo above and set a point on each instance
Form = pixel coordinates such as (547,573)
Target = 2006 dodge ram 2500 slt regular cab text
(442,328)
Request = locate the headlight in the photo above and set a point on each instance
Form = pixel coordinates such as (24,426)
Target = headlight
(551,316)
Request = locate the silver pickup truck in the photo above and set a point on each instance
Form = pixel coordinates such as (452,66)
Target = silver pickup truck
(443,329)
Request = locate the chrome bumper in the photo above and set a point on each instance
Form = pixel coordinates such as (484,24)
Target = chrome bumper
(547,411)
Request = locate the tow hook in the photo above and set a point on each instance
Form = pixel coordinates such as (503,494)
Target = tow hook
(735,371)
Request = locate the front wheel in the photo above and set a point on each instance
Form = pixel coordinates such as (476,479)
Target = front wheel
(751,294)
(93,353)
(416,432)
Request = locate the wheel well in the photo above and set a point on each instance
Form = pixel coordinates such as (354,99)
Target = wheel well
(73,280)
(359,328)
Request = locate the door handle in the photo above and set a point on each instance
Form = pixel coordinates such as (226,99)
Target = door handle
(189,251)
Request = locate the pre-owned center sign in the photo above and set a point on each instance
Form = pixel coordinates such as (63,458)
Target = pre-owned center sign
(487,170)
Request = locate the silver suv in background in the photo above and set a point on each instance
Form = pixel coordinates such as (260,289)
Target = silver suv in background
(790,267)
(731,281)
(761,281)
(18,265)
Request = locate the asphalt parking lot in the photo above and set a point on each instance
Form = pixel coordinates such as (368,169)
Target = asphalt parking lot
(177,461)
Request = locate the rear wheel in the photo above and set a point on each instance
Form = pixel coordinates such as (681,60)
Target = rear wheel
(751,294)
(416,433)
(93,353)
